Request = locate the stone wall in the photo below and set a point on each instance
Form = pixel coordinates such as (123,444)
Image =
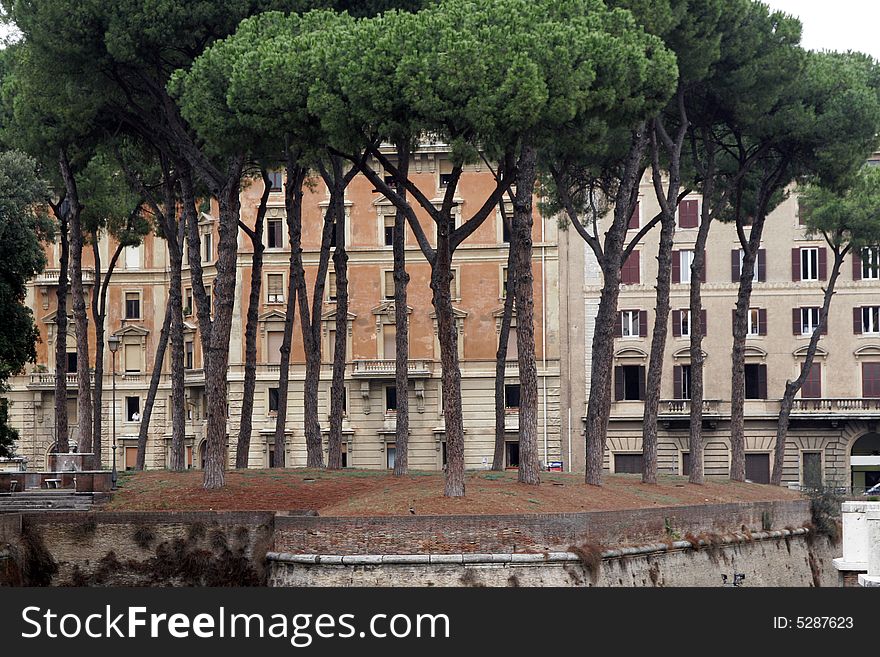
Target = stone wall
(526,533)
(793,561)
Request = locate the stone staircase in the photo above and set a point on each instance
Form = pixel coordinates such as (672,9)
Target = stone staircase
(45,500)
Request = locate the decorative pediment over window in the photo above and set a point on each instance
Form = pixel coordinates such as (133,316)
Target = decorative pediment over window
(385,312)
(189,328)
(458,313)
(755,353)
(631,353)
(802,352)
(499,318)
(131,331)
(685,354)
(867,351)
(328,322)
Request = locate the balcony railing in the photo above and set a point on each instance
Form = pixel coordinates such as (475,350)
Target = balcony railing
(47,380)
(825,406)
(51,276)
(386,368)
(682,407)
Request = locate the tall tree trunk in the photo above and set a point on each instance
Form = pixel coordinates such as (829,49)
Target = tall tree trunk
(293,208)
(250,334)
(340,266)
(178,387)
(599,402)
(224,300)
(62,436)
(529,469)
(501,353)
(447,334)
(80,315)
(792,387)
(155,377)
(401,325)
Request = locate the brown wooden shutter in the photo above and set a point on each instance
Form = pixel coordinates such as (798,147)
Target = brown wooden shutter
(641,382)
(676,382)
(676,323)
(762,321)
(629,274)
(795,264)
(857,320)
(762,381)
(618,383)
(688,214)
(857,265)
(634,217)
(703,323)
(762,265)
(676,267)
(823,264)
(734,266)
(643,323)
(796,321)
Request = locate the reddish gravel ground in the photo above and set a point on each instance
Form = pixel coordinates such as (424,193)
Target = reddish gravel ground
(378,493)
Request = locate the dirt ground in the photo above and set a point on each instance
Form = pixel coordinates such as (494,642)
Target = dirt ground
(379,493)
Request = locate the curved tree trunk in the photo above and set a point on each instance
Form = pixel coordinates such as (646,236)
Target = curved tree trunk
(340,266)
(155,378)
(792,387)
(245,427)
(293,208)
(61,421)
(401,325)
(501,354)
(80,315)
(529,469)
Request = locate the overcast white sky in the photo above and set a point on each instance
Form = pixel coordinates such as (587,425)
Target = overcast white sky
(836,24)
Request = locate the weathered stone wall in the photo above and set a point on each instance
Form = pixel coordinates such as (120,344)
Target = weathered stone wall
(526,533)
(795,561)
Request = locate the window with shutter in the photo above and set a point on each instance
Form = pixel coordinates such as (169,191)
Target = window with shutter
(681,382)
(754,322)
(686,260)
(132,305)
(274,340)
(133,358)
(388,284)
(389,341)
(870,263)
(274,234)
(812,388)
(272,395)
(511,395)
(809,320)
(388,230)
(870,319)
(735,265)
(275,288)
(756,271)
(756,381)
(809,263)
(188,355)
(689,213)
(275,181)
(504,282)
(630,272)
(331,286)
(761,269)
(628,463)
(870,379)
(630,326)
(635,217)
(629,383)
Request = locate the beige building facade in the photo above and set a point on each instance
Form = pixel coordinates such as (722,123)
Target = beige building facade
(138,295)
(833,438)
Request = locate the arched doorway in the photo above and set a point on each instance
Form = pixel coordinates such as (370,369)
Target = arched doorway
(864,461)
(202,449)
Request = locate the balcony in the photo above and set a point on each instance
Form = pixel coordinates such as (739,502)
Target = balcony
(194,376)
(682,407)
(46,380)
(50,277)
(836,407)
(385,368)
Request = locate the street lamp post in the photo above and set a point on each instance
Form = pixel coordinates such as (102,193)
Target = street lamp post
(113,344)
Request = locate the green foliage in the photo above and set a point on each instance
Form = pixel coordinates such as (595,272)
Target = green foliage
(22,229)
(851,216)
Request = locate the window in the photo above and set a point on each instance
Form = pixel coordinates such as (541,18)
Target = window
(630,272)
(635,217)
(758,468)
(811,469)
(808,264)
(870,379)
(188,302)
(628,463)
(759,273)
(274,340)
(133,409)
(870,263)
(208,290)
(131,458)
(389,230)
(681,382)
(756,321)
(132,257)
(682,324)
(132,305)
(505,230)
(390,399)
(511,396)
(756,381)
(689,214)
(812,388)
(273,401)
(208,247)
(686,259)
(504,282)
(809,320)
(275,181)
(188,358)
(388,284)
(685,464)
(629,383)
(631,323)
(71,361)
(389,341)
(512,344)
(331,286)
(133,357)
(870,316)
(72,410)
(275,288)
(445,179)
(390,455)
(274,234)
(511,454)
